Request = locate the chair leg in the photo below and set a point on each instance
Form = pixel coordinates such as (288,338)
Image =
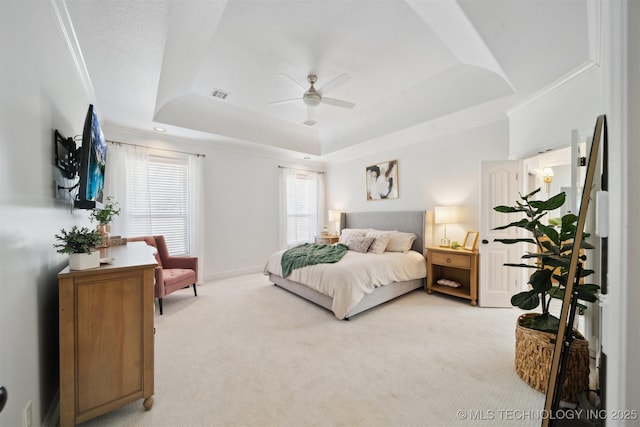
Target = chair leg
(194,290)
(160,305)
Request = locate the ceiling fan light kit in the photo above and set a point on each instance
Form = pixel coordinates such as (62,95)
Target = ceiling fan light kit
(311,97)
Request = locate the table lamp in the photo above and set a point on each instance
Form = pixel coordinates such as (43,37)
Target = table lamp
(445,215)
(334,218)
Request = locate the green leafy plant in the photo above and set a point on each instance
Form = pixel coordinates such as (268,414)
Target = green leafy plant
(77,240)
(552,255)
(105,215)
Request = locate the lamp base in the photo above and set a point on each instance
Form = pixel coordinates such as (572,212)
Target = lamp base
(445,243)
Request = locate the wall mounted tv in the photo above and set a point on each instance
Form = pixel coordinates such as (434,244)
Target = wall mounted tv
(93,158)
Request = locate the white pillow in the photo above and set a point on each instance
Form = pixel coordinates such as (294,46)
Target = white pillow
(400,241)
(381,240)
(347,233)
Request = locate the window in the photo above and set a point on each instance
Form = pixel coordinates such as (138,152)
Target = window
(157,200)
(302,207)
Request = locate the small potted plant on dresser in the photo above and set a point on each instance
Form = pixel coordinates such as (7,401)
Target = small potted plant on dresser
(80,244)
(104,217)
(536,332)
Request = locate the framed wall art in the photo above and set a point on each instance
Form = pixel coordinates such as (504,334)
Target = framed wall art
(471,241)
(382,181)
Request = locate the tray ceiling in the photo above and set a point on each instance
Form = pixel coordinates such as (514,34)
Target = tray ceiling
(159,63)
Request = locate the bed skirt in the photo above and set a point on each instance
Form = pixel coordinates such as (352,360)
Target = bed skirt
(381,295)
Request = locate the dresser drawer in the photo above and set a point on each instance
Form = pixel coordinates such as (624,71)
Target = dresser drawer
(453,260)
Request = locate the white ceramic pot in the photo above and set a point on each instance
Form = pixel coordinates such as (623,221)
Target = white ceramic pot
(84,261)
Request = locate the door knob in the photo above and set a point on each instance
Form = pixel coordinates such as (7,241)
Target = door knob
(3,397)
(485,241)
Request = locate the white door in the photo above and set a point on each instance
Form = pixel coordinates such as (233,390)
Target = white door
(499,186)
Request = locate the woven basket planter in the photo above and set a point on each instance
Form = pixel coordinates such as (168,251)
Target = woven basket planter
(534,353)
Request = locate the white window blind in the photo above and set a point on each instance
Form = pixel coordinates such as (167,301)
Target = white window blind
(157,200)
(302,207)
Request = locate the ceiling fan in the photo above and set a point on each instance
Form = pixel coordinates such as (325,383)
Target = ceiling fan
(313,97)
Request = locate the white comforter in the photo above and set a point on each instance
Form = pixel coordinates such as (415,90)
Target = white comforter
(354,276)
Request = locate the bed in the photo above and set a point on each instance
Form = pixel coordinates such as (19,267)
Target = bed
(355,294)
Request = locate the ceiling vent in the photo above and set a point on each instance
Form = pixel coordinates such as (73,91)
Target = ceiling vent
(217,93)
(309,122)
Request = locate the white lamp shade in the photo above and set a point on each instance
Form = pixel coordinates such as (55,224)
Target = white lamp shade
(334,215)
(446,214)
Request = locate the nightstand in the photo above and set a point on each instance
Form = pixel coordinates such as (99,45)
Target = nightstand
(454,264)
(327,238)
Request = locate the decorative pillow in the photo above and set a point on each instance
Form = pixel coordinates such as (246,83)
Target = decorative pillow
(400,241)
(381,240)
(347,233)
(360,244)
(450,283)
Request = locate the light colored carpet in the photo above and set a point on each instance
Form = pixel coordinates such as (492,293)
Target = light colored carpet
(247,353)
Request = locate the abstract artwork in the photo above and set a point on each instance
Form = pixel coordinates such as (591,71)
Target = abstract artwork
(382,181)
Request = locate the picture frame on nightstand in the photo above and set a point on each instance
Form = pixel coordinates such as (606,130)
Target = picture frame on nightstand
(470,241)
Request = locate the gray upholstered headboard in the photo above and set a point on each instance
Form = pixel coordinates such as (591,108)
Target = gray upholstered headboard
(409,221)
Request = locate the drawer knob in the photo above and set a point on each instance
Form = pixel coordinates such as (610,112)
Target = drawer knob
(448,260)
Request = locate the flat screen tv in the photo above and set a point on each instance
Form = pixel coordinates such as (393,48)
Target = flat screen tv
(93,158)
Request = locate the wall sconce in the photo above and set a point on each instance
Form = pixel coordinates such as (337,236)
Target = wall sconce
(334,218)
(547,177)
(445,215)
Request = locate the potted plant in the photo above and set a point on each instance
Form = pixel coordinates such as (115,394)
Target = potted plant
(104,217)
(536,332)
(80,244)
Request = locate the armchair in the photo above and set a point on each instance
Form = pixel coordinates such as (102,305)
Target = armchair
(173,272)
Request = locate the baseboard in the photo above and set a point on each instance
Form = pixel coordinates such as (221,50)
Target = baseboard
(233,273)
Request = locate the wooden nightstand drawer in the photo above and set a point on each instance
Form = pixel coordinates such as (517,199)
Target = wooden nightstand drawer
(453,260)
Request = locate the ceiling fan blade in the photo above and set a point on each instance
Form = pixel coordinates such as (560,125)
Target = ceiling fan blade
(332,84)
(285,101)
(338,102)
(294,81)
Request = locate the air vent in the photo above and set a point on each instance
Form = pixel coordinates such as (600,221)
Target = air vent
(217,93)
(309,122)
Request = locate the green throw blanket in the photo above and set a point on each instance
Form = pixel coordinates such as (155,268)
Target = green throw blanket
(310,254)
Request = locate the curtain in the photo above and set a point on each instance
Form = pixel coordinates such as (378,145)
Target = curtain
(284,177)
(196,211)
(121,177)
(301,201)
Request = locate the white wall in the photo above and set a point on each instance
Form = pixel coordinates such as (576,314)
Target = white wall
(442,170)
(41,91)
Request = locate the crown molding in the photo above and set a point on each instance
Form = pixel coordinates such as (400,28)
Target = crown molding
(63,20)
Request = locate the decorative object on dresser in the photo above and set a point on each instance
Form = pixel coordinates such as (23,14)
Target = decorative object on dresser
(445,215)
(106,335)
(453,272)
(173,272)
(104,216)
(80,244)
(382,181)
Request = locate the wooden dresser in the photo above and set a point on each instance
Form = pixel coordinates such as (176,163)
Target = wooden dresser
(106,334)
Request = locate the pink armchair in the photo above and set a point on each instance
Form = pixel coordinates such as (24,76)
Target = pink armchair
(172,273)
